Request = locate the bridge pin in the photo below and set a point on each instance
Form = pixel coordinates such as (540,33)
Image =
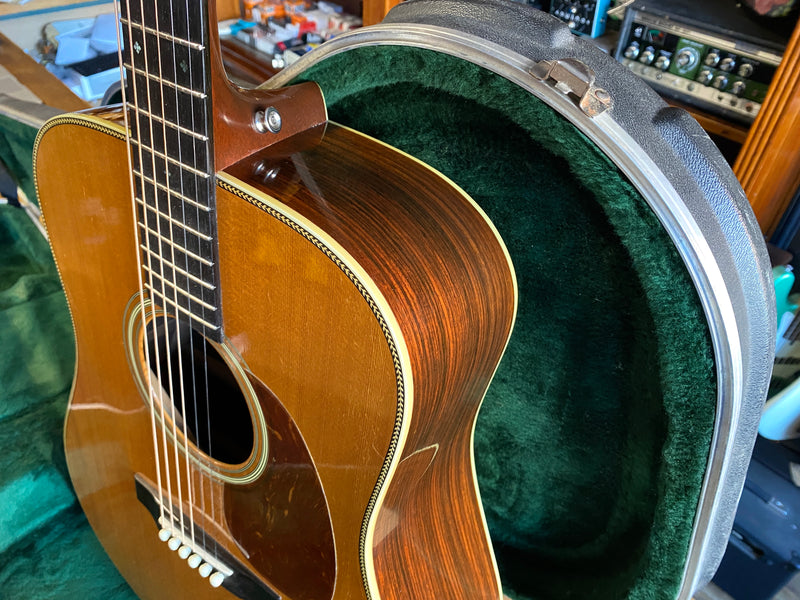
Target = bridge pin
(184,552)
(216,579)
(205,570)
(164,534)
(174,543)
(194,561)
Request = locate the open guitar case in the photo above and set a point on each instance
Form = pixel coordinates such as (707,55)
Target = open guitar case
(612,446)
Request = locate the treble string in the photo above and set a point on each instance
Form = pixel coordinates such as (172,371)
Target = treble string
(206,24)
(137,231)
(206,201)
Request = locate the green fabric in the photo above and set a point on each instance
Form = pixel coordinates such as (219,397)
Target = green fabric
(16,153)
(47,549)
(592,443)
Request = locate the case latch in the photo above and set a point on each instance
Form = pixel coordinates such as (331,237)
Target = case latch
(573,78)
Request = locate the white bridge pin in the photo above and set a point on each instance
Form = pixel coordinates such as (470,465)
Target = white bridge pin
(184,552)
(174,543)
(205,570)
(216,579)
(164,534)
(195,560)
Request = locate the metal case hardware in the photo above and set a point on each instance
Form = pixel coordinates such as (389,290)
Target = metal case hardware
(574,78)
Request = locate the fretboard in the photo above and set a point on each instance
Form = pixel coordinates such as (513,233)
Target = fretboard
(168,95)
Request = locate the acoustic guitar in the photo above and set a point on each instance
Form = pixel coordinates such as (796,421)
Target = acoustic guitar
(284,333)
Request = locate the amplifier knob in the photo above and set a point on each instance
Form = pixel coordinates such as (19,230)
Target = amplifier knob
(662,62)
(745,70)
(712,58)
(727,64)
(720,81)
(686,59)
(632,51)
(647,56)
(738,88)
(705,76)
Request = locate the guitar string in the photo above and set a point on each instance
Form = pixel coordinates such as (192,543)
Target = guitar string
(137,237)
(203,479)
(164,442)
(205,37)
(182,378)
(166,317)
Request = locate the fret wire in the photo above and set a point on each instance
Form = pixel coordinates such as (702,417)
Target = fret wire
(166,36)
(186,274)
(181,308)
(171,84)
(163,156)
(178,289)
(149,115)
(175,245)
(171,192)
(174,221)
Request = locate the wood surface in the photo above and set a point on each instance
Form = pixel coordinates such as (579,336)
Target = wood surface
(226,9)
(373,11)
(767,165)
(244,64)
(371,299)
(44,85)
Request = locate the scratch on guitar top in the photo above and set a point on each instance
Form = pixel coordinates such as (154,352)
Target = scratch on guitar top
(106,407)
(433,449)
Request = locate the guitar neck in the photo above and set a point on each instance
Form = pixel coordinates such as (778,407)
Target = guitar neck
(167,62)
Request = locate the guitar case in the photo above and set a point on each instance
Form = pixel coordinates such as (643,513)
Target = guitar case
(612,446)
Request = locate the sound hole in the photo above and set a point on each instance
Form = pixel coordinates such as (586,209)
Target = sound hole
(216,416)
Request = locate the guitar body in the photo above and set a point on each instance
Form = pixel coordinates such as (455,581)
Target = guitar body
(367,303)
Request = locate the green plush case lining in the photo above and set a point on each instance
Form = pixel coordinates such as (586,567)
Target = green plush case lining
(592,443)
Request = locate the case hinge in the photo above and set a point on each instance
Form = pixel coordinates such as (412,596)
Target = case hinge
(573,78)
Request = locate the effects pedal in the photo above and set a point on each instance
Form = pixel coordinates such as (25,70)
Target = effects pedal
(584,18)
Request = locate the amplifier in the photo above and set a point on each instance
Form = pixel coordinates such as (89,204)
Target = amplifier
(714,55)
